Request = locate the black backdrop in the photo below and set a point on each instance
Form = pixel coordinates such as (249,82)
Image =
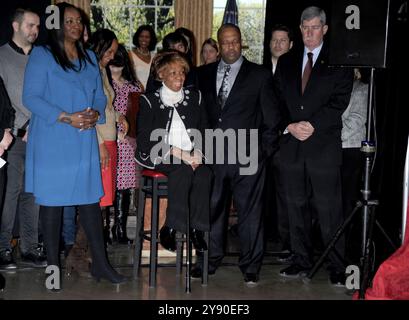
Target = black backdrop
(7,8)
(391,99)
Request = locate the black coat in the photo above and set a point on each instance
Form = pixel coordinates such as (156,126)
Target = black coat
(325,98)
(6,110)
(251,104)
(153,114)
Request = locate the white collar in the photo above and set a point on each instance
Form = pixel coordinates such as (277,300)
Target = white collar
(170,97)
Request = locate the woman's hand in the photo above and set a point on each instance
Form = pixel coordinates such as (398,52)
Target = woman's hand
(82,120)
(196,159)
(124,127)
(104,157)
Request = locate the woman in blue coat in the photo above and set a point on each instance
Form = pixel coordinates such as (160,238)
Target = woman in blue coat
(63,90)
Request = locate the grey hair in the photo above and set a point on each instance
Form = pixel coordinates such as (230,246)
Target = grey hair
(314,12)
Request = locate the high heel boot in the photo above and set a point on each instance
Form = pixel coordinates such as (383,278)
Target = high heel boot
(106,216)
(90,217)
(122,203)
(51,218)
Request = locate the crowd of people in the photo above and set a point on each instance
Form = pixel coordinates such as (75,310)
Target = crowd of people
(77,117)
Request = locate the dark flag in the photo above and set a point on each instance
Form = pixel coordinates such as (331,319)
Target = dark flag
(231,13)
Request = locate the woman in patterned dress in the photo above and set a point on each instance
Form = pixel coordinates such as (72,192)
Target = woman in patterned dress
(124,83)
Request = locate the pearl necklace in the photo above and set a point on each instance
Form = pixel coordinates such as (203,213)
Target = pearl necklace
(143,53)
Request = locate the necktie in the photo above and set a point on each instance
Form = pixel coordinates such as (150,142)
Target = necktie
(223,91)
(307,71)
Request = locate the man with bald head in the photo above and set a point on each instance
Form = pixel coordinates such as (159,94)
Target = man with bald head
(238,96)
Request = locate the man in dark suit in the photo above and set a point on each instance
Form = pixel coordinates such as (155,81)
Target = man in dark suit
(313,97)
(239,98)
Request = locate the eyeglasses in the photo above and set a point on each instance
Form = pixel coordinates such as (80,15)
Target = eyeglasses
(315,28)
(71,22)
(234,43)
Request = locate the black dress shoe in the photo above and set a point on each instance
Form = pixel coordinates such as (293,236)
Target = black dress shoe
(337,279)
(167,238)
(197,273)
(286,258)
(251,278)
(198,241)
(294,271)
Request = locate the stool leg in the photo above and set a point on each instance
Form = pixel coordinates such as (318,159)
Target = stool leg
(154,234)
(205,273)
(139,229)
(188,255)
(179,253)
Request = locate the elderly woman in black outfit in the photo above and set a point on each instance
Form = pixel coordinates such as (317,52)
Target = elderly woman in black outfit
(179,113)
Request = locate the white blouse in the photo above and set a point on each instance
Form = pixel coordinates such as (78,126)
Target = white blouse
(178,136)
(141,68)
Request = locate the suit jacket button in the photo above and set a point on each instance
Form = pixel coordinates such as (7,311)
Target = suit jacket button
(220,119)
(302,107)
(183,117)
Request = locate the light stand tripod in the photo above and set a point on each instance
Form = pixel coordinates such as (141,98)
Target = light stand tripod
(366,204)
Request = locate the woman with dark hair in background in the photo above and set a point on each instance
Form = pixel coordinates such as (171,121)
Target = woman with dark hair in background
(191,43)
(63,90)
(175,42)
(105,44)
(86,33)
(123,81)
(141,56)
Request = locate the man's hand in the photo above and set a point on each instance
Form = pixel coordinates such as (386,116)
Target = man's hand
(104,157)
(301,130)
(7,139)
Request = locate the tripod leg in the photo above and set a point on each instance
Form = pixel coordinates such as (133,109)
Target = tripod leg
(386,235)
(365,262)
(331,244)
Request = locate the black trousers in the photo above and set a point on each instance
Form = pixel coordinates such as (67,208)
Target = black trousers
(281,207)
(247,191)
(188,193)
(312,186)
